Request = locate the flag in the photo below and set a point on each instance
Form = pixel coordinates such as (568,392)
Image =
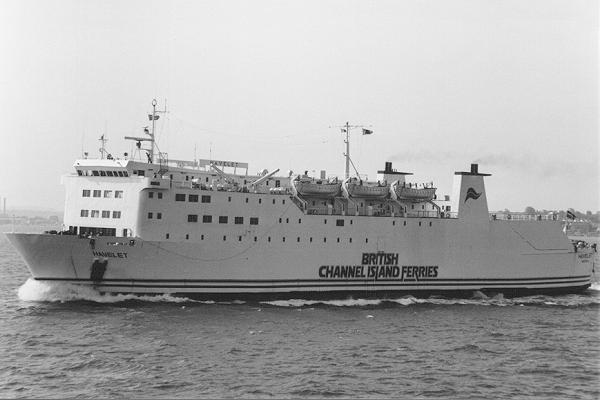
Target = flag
(150,117)
(570,215)
(367,131)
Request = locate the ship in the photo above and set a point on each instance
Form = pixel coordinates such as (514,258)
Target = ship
(207,229)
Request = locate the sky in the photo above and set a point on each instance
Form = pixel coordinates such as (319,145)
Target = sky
(511,85)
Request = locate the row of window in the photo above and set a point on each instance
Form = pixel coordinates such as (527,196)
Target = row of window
(96,214)
(193,198)
(269,240)
(118,194)
(223,219)
(86,172)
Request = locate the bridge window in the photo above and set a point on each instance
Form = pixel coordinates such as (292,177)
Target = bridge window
(207,219)
(339,222)
(105,214)
(193,198)
(85,193)
(179,197)
(239,220)
(116,214)
(102,173)
(206,199)
(118,194)
(85,213)
(192,218)
(109,173)
(253,220)
(97,193)
(95,173)
(95,213)
(223,219)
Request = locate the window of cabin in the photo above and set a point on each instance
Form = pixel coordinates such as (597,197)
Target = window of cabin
(97,193)
(159,194)
(79,172)
(239,220)
(158,215)
(105,214)
(141,172)
(118,194)
(109,173)
(150,215)
(120,173)
(207,219)
(339,222)
(102,173)
(277,183)
(85,193)
(116,214)
(206,199)
(84,213)
(192,218)
(95,173)
(223,219)
(95,213)
(179,196)
(253,220)
(193,198)
(150,195)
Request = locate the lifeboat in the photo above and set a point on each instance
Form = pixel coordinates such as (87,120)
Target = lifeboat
(310,187)
(353,187)
(412,193)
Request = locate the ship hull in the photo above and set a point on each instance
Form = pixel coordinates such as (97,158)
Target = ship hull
(453,260)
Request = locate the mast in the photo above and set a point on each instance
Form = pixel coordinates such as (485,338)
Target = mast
(151,153)
(346,129)
(347,150)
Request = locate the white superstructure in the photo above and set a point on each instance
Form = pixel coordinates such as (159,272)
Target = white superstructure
(208,229)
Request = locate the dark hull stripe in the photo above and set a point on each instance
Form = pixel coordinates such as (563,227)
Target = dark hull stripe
(294,281)
(326,284)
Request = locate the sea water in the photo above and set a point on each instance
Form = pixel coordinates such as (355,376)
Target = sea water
(60,340)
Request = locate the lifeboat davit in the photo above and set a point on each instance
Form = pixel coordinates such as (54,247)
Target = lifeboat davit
(356,188)
(310,187)
(411,193)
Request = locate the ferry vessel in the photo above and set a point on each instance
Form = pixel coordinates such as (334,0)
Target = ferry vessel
(207,229)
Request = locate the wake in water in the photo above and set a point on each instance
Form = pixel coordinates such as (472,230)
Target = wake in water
(35,291)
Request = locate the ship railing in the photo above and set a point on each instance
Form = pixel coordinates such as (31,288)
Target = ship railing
(506,216)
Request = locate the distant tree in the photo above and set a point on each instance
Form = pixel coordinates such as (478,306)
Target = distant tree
(529,210)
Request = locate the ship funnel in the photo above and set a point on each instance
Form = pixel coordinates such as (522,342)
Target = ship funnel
(468,196)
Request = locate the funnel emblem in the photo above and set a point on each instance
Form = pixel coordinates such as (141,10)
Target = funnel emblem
(472,194)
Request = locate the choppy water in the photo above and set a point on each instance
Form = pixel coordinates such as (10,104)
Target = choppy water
(61,341)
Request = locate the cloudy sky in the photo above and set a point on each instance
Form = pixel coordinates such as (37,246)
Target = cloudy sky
(512,85)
